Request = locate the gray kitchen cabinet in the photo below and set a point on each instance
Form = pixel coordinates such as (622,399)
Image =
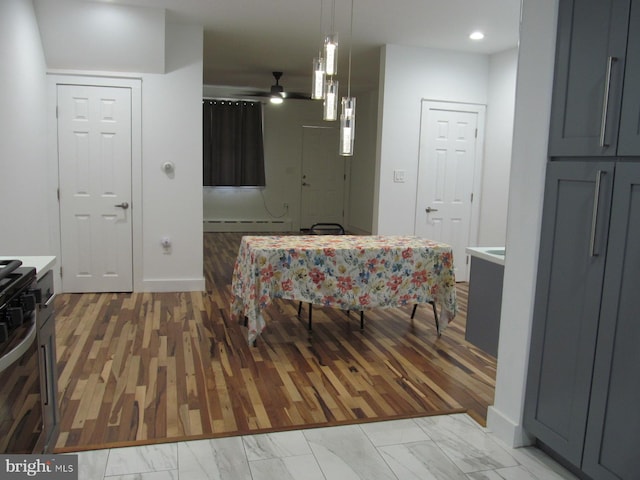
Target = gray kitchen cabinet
(613,431)
(48,371)
(483,305)
(565,323)
(583,386)
(591,51)
(629,141)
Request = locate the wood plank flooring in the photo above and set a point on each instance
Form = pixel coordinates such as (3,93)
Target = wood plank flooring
(153,367)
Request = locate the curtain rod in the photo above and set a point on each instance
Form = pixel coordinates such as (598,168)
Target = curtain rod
(228,99)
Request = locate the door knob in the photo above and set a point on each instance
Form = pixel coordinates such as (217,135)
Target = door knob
(123,205)
(305,184)
(429,209)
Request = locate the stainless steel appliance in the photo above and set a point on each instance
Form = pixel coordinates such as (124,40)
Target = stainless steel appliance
(28,410)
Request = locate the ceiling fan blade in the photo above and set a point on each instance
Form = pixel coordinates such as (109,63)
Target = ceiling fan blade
(297,95)
(275,89)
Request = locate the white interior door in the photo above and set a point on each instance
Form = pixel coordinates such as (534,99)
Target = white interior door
(323,177)
(94,164)
(449,157)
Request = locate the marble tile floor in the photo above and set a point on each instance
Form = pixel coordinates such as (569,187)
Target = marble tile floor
(448,447)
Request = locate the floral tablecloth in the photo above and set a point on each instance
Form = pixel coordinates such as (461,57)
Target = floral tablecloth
(350,272)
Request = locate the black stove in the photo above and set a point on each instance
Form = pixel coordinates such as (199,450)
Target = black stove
(18,297)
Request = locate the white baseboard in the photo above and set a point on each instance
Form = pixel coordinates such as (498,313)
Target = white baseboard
(509,432)
(173,285)
(247,225)
(356,230)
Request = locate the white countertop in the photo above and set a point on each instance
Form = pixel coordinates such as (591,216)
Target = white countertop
(42,263)
(491,254)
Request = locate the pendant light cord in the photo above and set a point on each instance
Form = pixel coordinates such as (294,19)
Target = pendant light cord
(321,32)
(350,45)
(333,16)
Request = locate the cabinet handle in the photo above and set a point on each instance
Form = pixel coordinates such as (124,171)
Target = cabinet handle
(605,102)
(46,375)
(594,217)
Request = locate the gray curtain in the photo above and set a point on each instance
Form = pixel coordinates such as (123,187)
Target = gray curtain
(233,150)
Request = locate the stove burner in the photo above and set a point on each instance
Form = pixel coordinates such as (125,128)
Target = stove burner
(17,299)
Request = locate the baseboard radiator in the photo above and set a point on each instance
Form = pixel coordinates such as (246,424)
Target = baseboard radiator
(244,225)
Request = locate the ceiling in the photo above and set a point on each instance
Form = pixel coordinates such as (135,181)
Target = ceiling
(245,40)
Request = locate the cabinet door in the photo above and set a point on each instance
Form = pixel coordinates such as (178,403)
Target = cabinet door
(565,324)
(48,377)
(590,61)
(611,445)
(629,140)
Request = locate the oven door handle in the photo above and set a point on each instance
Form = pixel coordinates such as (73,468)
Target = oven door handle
(19,350)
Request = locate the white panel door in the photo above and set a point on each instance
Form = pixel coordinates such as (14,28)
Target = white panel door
(448,155)
(323,177)
(94,150)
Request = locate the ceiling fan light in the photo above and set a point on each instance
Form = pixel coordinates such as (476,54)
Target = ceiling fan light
(331,54)
(277,90)
(276,98)
(317,87)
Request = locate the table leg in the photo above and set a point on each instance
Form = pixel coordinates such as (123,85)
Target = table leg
(435,314)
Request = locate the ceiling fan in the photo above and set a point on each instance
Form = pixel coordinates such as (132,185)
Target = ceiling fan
(277,93)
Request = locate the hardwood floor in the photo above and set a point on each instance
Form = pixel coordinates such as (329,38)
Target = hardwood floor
(152,367)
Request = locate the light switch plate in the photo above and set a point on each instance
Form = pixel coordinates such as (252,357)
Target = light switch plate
(399,176)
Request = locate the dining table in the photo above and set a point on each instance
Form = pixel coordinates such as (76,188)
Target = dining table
(349,272)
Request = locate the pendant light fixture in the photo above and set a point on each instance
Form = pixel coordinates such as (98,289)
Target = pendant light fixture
(331,46)
(348,113)
(317,78)
(330,110)
(317,87)
(347,126)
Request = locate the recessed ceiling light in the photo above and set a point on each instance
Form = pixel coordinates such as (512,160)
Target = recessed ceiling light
(476,35)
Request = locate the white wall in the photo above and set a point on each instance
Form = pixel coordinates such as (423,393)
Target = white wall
(87,36)
(363,165)
(283,154)
(408,75)
(283,162)
(23,169)
(526,189)
(497,153)
(172,132)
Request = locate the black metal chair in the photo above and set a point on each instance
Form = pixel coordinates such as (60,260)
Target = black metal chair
(326,229)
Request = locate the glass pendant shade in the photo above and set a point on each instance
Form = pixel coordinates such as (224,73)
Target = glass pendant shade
(347,126)
(330,111)
(317,87)
(331,54)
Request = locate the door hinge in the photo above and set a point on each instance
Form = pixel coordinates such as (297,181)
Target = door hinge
(60,272)
(56,111)
(476,133)
(58,193)
(471,197)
